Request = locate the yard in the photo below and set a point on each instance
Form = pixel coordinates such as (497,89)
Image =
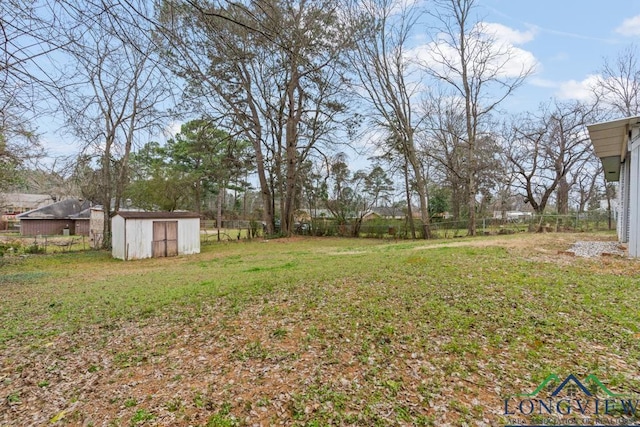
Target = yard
(312,331)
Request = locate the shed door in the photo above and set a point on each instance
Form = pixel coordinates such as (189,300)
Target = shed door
(165,238)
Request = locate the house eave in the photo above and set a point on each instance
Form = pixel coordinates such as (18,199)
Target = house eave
(611,143)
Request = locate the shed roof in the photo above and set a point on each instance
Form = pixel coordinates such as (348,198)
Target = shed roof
(157,215)
(60,210)
(610,142)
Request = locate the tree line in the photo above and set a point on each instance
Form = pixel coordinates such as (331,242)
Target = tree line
(274,92)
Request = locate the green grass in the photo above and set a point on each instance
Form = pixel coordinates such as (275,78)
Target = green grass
(319,331)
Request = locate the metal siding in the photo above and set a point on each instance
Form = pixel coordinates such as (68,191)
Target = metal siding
(622,225)
(189,236)
(634,200)
(139,238)
(117,237)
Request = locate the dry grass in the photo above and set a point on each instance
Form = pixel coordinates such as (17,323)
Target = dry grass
(311,332)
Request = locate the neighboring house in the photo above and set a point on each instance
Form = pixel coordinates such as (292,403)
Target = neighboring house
(136,235)
(12,204)
(512,215)
(57,218)
(617,144)
(308,214)
(384,213)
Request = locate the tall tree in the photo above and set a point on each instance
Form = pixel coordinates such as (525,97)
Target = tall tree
(384,79)
(468,58)
(272,71)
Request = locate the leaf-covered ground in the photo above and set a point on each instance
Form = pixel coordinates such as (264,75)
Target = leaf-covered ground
(311,332)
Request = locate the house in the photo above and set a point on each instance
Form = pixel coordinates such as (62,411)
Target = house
(384,213)
(137,235)
(53,219)
(617,144)
(12,204)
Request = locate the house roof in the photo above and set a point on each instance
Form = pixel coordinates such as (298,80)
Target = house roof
(84,214)
(610,141)
(64,209)
(156,215)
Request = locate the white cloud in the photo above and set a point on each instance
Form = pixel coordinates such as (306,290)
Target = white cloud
(505,34)
(630,27)
(505,59)
(578,90)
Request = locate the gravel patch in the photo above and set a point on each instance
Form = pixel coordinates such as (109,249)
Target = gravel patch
(595,249)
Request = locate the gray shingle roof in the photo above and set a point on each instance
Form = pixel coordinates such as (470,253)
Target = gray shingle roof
(60,210)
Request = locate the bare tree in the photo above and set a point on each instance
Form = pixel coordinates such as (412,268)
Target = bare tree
(115,93)
(27,38)
(468,58)
(386,83)
(618,85)
(545,150)
(442,141)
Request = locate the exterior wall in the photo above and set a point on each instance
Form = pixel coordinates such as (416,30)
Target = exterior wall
(82,227)
(96,226)
(138,239)
(132,239)
(622,225)
(188,236)
(634,200)
(117,237)
(45,227)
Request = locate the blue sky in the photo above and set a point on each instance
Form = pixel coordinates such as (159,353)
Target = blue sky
(569,40)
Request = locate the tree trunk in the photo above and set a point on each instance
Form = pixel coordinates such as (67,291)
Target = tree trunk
(220,201)
(412,225)
(291,155)
(563,196)
(421,187)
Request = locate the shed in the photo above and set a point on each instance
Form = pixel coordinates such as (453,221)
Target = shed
(137,235)
(617,144)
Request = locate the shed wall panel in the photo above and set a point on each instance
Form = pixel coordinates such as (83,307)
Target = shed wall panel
(139,239)
(118,237)
(189,236)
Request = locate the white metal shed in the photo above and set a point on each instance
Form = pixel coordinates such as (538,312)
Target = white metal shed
(137,235)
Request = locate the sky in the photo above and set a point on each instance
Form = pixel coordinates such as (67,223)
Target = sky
(567,41)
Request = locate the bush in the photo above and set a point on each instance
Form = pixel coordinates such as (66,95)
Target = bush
(34,249)
(9,247)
